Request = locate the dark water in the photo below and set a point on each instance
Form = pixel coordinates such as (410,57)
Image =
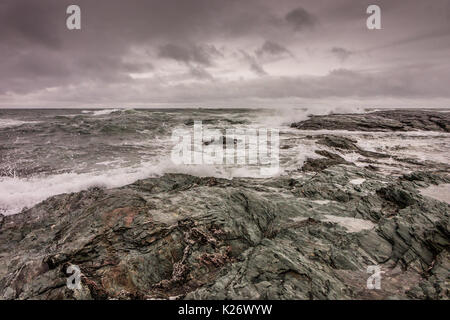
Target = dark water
(56,141)
(54,151)
(49,151)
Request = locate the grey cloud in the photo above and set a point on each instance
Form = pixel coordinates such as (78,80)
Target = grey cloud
(300,19)
(341,53)
(37,52)
(200,73)
(435,34)
(110,68)
(40,69)
(350,83)
(255,66)
(203,55)
(29,23)
(271,48)
(136,67)
(340,83)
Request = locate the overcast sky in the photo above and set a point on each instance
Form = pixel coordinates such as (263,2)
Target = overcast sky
(241,53)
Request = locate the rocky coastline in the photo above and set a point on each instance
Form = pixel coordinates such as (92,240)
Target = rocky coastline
(311,236)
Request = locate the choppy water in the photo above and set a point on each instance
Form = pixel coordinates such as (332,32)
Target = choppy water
(49,152)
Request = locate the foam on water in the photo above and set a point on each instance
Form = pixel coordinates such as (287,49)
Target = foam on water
(150,155)
(6,123)
(100,112)
(17,193)
(421,145)
(286,116)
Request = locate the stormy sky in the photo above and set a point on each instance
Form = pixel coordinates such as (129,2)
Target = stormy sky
(224,53)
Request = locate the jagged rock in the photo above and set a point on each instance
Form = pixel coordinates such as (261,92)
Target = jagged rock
(389,120)
(189,237)
(398,196)
(338,142)
(346,144)
(331,159)
(222,141)
(425,176)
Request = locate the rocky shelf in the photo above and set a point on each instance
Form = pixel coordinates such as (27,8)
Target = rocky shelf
(397,120)
(180,236)
(310,235)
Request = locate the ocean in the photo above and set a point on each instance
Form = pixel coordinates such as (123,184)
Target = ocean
(45,152)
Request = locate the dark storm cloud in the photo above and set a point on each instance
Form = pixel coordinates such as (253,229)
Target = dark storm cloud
(203,55)
(339,83)
(300,19)
(125,50)
(29,23)
(111,30)
(200,73)
(434,34)
(271,48)
(257,68)
(254,64)
(341,53)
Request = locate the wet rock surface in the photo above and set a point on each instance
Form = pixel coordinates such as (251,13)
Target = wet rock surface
(398,120)
(310,234)
(329,159)
(206,238)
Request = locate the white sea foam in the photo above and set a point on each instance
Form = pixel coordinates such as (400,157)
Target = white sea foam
(421,145)
(424,146)
(7,123)
(286,116)
(100,112)
(17,193)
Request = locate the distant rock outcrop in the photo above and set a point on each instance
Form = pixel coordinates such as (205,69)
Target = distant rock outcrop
(389,120)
